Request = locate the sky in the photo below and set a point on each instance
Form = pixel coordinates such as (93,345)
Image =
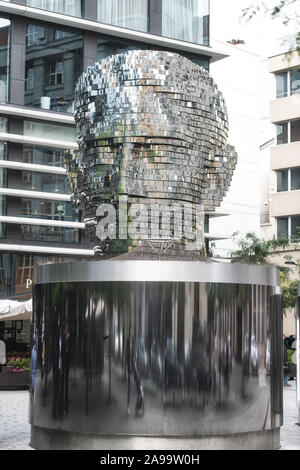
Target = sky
(262,35)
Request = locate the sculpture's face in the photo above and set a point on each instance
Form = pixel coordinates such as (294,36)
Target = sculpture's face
(152,124)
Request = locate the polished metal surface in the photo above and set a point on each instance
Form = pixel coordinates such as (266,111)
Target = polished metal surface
(151,126)
(181,271)
(45,439)
(156,358)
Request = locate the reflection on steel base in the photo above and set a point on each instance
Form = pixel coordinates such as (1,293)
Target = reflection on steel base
(159,352)
(46,439)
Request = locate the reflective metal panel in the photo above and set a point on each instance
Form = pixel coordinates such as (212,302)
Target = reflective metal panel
(153,358)
(145,270)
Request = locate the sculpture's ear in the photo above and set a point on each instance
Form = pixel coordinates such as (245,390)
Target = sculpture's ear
(220,169)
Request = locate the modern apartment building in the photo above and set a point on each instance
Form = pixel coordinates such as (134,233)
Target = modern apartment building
(280,203)
(281,214)
(44,47)
(285,154)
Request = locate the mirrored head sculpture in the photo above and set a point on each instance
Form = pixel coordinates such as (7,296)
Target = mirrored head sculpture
(152,128)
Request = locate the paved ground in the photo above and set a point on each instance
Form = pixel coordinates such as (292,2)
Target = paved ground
(290,432)
(15,428)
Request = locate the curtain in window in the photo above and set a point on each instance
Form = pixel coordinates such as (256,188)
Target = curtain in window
(68,7)
(186,20)
(131,14)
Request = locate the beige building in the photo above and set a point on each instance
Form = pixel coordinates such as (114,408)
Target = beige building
(280,206)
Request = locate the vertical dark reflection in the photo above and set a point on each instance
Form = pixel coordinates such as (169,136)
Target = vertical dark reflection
(155,358)
(276,359)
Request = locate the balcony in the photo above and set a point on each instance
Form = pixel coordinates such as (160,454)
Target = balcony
(284,109)
(285,156)
(285,203)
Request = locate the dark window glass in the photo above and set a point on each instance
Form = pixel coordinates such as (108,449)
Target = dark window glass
(14,272)
(3,151)
(295,178)
(295,131)
(43,156)
(282,133)
(46,182)
(4,59)
(295,81)
(131,14)
(50,234)
(282,227)
(108,46)
(53,65)
(186,20)
(67,7)
(281,85)
(2,212)
(3,124)
(49,131)
(295,226)
(51,210)
(29,82)
(3,177)
(282,180)
(206,223)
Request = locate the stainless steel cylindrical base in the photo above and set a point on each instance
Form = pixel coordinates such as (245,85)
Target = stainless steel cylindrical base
(44,439)
(156,355)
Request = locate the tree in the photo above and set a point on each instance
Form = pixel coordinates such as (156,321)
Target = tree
(286,10)
(253,250)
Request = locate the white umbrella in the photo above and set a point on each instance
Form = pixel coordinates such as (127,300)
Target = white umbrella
(13,310)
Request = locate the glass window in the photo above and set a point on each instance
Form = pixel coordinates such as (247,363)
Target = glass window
(206,223)
(295,226)
(4,59)
(295,178)
(295,81)
(49,131)
(282,227)
(282,133)
(282,180)
(51,210)
(2,212)
(131,14)
(43,156)
(14,272)
(46,182)
(295,131)
(35,35)
(281,85)
(3,124)
(3,150)
(50,234)
(186,20)
(29,82)
(53,64)
(108,46)
(67,7)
